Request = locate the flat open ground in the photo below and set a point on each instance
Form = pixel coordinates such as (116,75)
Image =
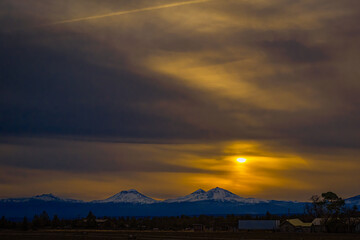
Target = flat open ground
(144,235)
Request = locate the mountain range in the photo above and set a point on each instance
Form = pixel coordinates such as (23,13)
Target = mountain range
(133,203)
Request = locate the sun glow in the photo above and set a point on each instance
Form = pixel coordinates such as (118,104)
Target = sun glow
(241,160)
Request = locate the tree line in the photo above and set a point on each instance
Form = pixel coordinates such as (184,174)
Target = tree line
(327,206)
(43,221)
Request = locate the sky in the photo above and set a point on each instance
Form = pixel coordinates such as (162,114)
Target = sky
(99,96)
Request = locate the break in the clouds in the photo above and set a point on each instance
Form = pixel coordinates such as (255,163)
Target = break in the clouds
(148,94)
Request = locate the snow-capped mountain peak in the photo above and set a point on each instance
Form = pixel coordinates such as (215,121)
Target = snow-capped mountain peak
(128,196)
(221,194)
(131,190)
(215,194)
(199,191)
(198,195)
(49,197)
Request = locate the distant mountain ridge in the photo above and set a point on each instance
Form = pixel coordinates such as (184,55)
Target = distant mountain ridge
(49,197)
(129,196)
(133,196)
(216,201)
(353,201)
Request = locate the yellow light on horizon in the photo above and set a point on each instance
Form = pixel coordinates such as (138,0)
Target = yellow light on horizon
(241,160)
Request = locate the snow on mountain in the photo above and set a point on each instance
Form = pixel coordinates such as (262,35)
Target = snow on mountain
(132,196)
(129,196)
(198,195)
(215,194)
(353,201)
(43,197)
(47,197)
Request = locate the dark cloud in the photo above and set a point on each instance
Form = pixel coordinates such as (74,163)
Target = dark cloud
(56,90)
(88,157)
(284,72)
(294,51)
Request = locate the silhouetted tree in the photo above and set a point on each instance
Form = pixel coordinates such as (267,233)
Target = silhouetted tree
(3,222)
(91,220)
(55,223)
(348,214)
(328,206)
(36,222)
(45,219)
(316,209)
(333,203)
(25,224)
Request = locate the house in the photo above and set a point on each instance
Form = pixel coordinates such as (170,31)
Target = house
(258,225)
(295,225)
(318,225)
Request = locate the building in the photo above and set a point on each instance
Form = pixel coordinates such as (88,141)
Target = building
(258,225)
(318,225)
(295,225)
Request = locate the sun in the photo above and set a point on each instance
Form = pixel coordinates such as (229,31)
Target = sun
(241,160)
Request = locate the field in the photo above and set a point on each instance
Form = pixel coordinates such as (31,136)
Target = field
(148,235)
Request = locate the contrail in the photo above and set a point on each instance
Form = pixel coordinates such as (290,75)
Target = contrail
(127,12)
